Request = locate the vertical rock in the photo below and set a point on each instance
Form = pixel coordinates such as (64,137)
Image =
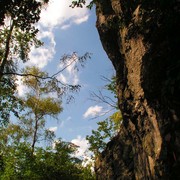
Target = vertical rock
(141,39)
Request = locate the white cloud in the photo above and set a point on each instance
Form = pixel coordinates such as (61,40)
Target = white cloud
(83,151)
(66,26)
(21,89)
(93,111)
(54,143)
(53,129)
(58,13)
(62,78)
(69,75)
(42,55)
(82,144)
(81,20)
(65,121)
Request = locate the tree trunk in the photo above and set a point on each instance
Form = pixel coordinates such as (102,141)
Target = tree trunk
(34,140)
(141,39)
(4,60)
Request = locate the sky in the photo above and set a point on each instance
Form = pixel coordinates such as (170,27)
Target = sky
(65,30)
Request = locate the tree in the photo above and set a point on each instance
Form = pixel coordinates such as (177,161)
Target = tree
(38,104)
(20,156)
(106,99)
(57,163)
(81,3)
(9,102)
(107,129)
(67,167)
(17,35)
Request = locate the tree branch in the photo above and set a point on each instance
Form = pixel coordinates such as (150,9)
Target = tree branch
(103,99)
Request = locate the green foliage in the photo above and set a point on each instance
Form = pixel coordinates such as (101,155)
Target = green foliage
(78,3)
(8,102)
(50,162)
(20,156)
(44,106)
(109,127)
(112,87)
(38,104)
(38,99)
(106,130)
(81,3)
(17,36)
(46,164)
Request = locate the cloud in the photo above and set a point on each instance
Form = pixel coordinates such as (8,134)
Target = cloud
(66,26)
(62,78)
(93,111)
(83,151)
(81,20)
(53,129)
(42,55)
(21,89)
(54,143)
(58,13)
(69,75)
(65,121)
(39,57)
(82,144)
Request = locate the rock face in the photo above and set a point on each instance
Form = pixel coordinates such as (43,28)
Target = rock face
(141,39)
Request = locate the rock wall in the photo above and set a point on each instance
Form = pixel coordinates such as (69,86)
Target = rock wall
(141,39)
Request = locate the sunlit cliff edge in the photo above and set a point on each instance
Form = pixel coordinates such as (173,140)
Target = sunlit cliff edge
(141,39)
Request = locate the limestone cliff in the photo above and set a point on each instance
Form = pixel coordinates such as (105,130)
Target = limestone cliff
(141,39)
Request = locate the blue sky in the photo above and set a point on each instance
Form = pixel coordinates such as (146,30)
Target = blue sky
(65,30)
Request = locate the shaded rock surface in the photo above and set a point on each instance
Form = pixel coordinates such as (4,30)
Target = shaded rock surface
(141,39)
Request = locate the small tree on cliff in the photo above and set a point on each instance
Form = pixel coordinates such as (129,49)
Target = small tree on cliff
(109,127)
(106,130)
